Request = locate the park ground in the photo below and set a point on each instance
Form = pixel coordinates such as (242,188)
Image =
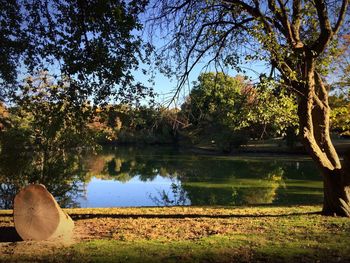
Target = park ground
(189,234)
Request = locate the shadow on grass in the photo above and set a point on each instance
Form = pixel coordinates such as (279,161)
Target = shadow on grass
(180,216)
(9,234)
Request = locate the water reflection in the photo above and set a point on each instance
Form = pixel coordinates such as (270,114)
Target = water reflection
(241,192)
(177,196)
(210,180)
(62,174)
(129,176)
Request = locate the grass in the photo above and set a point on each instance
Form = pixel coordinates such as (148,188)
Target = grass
(191,234)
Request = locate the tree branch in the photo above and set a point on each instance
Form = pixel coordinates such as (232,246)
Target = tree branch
(283,17)
(325,26)
(341,17)
(279,17)
(296,21)
(322,101)
(189,68)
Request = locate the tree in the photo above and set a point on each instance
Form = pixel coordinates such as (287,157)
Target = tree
(296,38)
(52,118)
(12,42)
(45,140)
(87,50)
(217,99)
(226,109)
(216,110)
(274,111)
(95,43)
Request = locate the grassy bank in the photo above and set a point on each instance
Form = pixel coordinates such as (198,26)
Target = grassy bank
(272,146)
(189,234)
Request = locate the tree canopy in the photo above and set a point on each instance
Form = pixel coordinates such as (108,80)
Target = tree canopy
(93,43)
(219,103)
(230,33)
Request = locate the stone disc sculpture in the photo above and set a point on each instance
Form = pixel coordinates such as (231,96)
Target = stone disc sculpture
(37,216)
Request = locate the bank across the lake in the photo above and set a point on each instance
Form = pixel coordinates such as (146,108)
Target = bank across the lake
(189,234)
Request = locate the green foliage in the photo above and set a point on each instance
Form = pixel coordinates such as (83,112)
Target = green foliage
(216,98)
(122,124)
(46,138)
(340,114)
(13,42)
(93,42)
(229,109)
(216,108)
(275,109)
(56,114)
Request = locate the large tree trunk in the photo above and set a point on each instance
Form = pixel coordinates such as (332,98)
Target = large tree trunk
(336,189)
(314,115)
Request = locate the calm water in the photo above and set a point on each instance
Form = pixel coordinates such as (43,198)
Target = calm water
(152,176)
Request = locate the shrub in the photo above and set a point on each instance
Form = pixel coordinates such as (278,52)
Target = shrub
(228,141)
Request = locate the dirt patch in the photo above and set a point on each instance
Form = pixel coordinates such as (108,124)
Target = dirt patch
(145,228)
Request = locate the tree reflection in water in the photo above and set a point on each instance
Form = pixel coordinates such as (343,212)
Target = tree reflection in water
(195,180)
(62,175)
(176,196)
(201,180)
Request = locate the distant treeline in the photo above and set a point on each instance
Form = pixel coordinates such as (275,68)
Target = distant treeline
(220,110)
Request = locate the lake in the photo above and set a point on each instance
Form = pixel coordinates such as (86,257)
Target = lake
(165,176)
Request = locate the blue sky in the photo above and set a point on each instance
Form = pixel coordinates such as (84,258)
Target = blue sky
(165,86)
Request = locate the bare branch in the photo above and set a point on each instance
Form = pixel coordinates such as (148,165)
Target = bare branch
(341,17)
(281,27)
(189,66)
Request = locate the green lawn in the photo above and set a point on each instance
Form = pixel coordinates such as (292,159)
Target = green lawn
(190,234)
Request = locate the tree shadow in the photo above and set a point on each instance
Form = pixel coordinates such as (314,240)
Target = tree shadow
(76,217)
(9,234)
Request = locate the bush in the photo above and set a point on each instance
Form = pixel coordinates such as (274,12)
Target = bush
(229,141)
(345,134)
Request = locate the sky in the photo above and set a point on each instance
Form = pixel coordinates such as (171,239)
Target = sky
(165,87)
